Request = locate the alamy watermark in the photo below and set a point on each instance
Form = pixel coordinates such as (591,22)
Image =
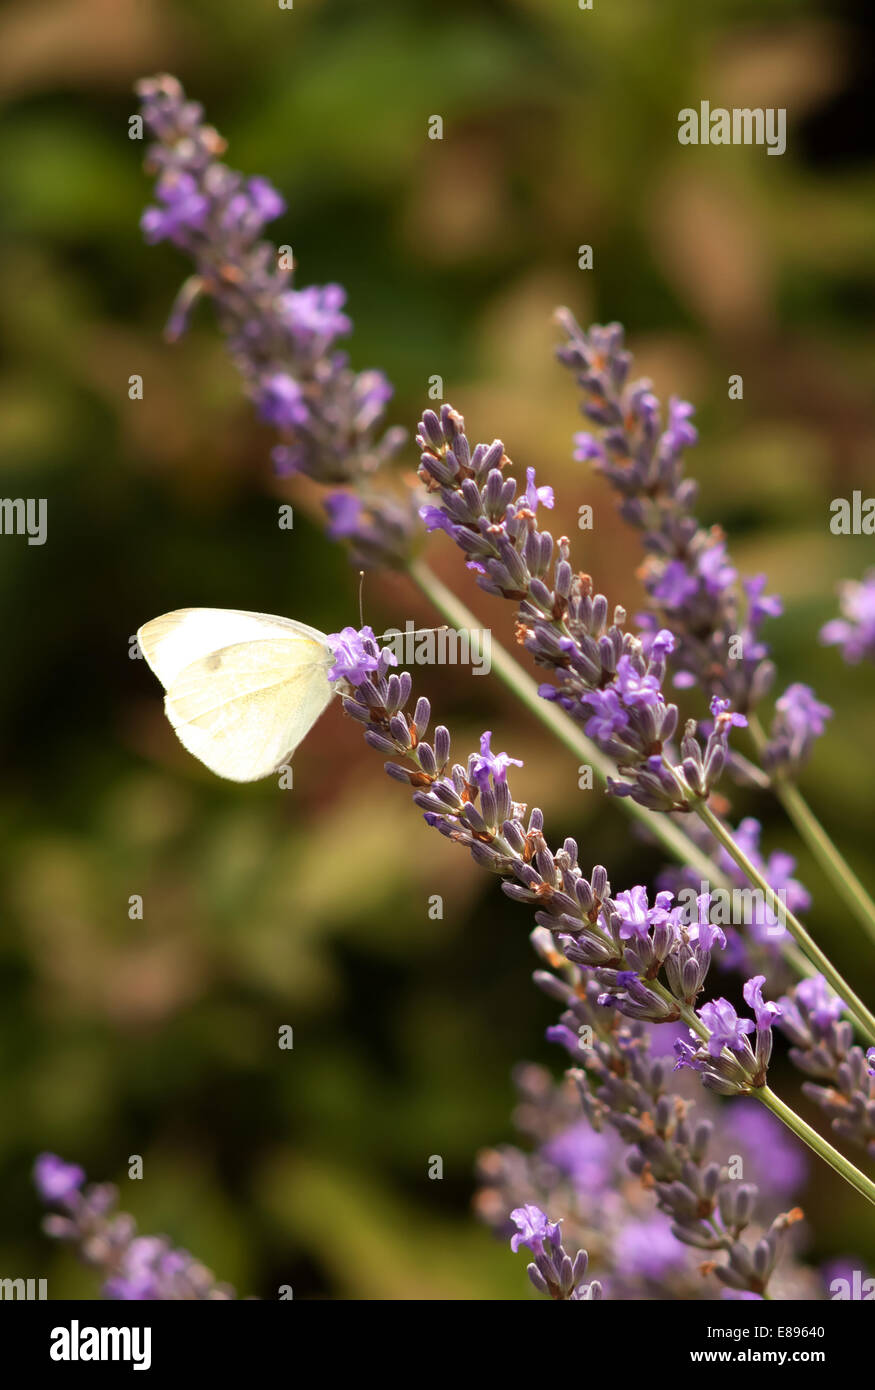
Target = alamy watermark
(35,1289)
(731,907)
(24,516)
(743,125)
(442,646)
(76,1343)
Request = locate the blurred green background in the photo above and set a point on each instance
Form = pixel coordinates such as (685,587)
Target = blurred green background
(309,907)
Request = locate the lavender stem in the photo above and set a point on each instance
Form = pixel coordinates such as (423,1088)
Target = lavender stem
(863,1017)
(817,1143)
(675,840)
(827,854)
(554,717)
(785,1114)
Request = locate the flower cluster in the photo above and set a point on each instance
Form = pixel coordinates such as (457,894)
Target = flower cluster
(691,583)
(606,678)
(854,631)
(759,946)
(283,340)
(626,971)
(727,1061)
(823,1048)
(133,1267)
(800,719)
(627,943)
(553,1272)
(581,1175)
(622,1084)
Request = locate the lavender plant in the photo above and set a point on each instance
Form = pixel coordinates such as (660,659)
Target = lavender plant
(648,963)
(371,517)
(823,1048)
(854,631)
(625,971)
(583,1175)
(132,1267)
(692,585)
(553,1272)
(607,680)
(283,340)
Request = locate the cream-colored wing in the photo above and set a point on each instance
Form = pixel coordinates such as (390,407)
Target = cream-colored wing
(243,689)
(244,710)
(175,640)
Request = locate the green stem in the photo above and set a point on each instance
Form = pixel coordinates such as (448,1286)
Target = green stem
(855,1005)
(675,840)
(865,1186)
(794,1122)
(679,845)
(827,854)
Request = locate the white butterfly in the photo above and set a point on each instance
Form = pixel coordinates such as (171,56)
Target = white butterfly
(243,689)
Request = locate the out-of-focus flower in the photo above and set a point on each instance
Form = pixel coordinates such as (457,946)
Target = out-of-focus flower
(854,632)
(132,1267)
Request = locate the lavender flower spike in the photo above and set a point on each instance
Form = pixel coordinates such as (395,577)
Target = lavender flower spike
(284,340)
(691,584)
(624,942)
(553,1272)
(133,1268)
(622,1084)
(854,632)
(727,1062)
(606,679)
(842,1078)
(800,719)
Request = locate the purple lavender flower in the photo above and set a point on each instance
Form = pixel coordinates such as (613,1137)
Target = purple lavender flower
(344,514)
(280,401)
(635,915)
(609,716)
(648,1249)
(842,1080)
(637,690)
(583,924)
(533,1228)
(491,764)
(57,1181)
(132,1267)
(760,604)
(184,210)
(726,1028)
(720,709)
(606,679)
(552,1271)
(717,573)
(583,1155)
(727,1062)
(283,339)
(854,632)
(622,1084)
(314,314)
(355,655)
(688,575)
(536,495)
(800,719)
(675,586)
(764,1013)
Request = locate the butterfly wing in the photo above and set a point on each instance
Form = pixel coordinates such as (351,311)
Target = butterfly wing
(243,689)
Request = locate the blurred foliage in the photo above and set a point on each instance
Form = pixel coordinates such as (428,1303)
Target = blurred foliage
(309,907)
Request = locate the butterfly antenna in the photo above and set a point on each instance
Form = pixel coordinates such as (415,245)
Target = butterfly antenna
(361,591)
